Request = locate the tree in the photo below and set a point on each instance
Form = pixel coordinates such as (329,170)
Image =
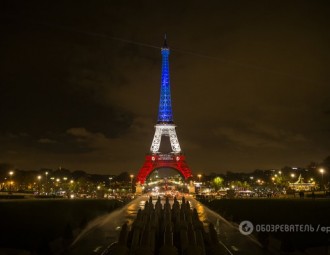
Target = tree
(217,182)
(122,177)
(241,185)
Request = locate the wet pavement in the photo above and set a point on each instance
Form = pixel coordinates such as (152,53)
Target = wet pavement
(103,231)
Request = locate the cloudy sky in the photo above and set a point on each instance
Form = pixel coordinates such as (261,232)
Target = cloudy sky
(79,82)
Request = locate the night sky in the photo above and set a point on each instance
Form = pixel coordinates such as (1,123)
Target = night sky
(80,80)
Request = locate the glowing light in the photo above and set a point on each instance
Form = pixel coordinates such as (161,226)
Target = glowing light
(165,104)
(322,171)
(165,130)
(293,175)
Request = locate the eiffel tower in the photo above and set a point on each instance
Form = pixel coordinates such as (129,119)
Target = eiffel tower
(165,151)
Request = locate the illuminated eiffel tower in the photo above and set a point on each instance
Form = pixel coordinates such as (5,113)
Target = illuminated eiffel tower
(164,130)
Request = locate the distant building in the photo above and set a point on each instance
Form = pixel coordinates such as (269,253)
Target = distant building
(300,185)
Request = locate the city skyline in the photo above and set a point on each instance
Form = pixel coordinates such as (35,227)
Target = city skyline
(80,84)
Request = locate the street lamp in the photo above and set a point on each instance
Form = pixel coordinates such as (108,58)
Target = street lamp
(39,178)
(10,181)
(110,178)
(322,172)
(132,176)
(46,173)
(58,180)
(293,175)
(200,185)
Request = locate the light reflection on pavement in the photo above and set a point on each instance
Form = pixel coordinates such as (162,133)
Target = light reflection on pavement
(229,235)
(104,230)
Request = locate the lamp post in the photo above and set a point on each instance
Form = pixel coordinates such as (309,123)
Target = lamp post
(110,178)
(39,179)
(10,181)
(200,184)
(58,180)
(132,176)
(322,172)
(71,189)
(46,188)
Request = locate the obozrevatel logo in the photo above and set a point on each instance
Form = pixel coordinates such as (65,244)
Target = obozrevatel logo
(245,227)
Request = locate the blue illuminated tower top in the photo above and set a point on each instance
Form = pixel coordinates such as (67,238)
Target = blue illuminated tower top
(165,115)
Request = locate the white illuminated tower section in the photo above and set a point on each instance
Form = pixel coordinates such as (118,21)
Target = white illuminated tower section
(165,125)
(164,128)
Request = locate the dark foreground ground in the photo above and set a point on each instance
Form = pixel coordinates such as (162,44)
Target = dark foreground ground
(313,212)
(40,226)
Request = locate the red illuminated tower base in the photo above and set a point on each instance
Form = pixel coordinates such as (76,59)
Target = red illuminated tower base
(153,162)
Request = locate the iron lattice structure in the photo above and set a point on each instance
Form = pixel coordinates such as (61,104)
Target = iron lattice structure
(164,128)
(165,114)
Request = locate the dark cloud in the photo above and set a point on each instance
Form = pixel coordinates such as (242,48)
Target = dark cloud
(79,82)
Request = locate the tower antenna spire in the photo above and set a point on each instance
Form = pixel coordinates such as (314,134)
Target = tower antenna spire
(165,41)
